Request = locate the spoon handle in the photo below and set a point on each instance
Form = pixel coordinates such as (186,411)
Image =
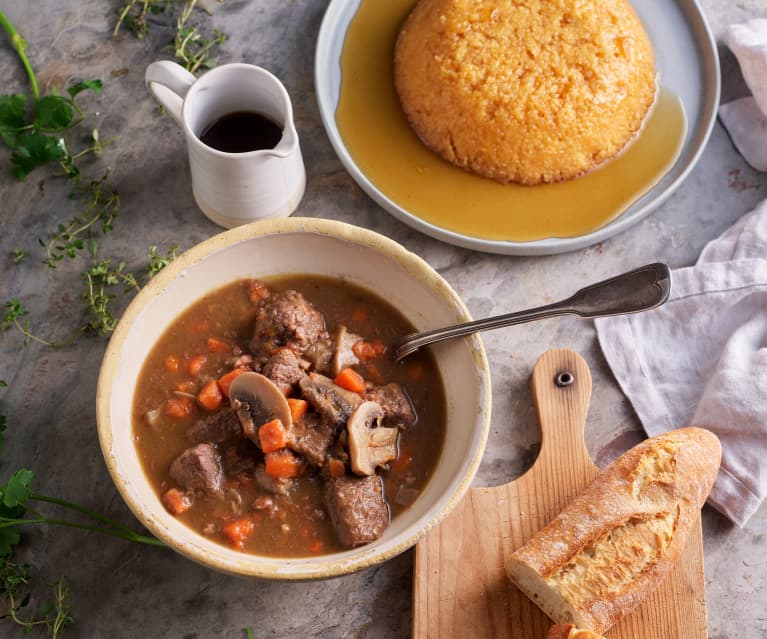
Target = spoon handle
(642,289)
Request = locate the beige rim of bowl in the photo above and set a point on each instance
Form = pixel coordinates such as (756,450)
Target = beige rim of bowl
(416,266)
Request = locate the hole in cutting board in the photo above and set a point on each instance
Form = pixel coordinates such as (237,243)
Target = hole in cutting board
(514,441)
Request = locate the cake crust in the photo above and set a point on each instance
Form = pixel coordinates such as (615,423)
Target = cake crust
(527,92)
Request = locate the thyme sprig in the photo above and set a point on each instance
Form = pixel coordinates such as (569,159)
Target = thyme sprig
(15,317)
(54,616)
(191,47)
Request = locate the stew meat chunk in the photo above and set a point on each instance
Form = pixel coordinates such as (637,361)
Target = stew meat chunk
(316,458)
(285,368)
(330,400)
(198,469)
(217,428)
(286,319)
(358,508)
(397,408)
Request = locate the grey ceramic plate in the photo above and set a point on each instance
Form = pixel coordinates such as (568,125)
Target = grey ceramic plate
(687,60)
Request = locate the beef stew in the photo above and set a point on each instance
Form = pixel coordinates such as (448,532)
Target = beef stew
(271,416)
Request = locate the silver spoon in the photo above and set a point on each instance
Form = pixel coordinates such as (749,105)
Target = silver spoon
(639,290)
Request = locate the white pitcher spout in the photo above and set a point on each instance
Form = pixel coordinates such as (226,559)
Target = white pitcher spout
(288,143)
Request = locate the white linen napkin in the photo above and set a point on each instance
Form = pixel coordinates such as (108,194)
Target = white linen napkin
(701,359)
(746,119)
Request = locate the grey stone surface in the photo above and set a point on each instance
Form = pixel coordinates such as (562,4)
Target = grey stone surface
(120,590)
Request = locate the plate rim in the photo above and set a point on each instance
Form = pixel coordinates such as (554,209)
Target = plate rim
(704,123)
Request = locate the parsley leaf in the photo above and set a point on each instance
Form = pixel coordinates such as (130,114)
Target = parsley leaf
(85,85)
(16,491)
(9,537)
(53,112)
(34,150)
(12,506)
(12,110)
(11,116)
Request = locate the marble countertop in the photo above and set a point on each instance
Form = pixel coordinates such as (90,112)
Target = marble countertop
(124,590)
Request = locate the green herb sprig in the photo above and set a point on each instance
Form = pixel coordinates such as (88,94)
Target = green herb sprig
(102,283)
(191,48)
(32,140)
(18,508)
(54,616)
(15,317)
(32,127)
(100,209)
(134,16)
(158,262)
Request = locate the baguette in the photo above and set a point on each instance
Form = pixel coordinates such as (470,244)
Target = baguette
(612,546)
(569,631)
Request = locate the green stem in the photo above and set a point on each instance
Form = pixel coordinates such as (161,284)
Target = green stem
(122,16)
(120,534)
(19,45)
(29,335)
(81,509)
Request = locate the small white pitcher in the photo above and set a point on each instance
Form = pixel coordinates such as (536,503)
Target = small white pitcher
(233,188)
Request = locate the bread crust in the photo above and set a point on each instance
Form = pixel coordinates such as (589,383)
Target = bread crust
(569,631)
(666,476)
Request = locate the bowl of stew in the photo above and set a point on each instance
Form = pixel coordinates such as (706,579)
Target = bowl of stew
(252,416)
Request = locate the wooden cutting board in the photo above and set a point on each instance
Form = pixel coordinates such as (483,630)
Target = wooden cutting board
(460,584)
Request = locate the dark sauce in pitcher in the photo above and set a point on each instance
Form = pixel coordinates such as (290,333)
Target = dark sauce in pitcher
(241,132)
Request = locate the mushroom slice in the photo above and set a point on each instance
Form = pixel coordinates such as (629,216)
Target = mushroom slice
(257,400)
(370,445)
(344,356)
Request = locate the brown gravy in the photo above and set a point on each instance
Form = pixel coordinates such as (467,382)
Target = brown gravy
(302,526)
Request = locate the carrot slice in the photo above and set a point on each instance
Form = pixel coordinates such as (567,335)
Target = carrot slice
(351,380)
(195,364)
(257,291)
(369,350)
(336,468)
(217,346)
(272,436)
(317,546)
(172,364)
(210,396)
(359,315)
(225,381)
(176,501)
(364,351)
(282,464)
(298,408)
(400,464)
(238,531)
(179,407)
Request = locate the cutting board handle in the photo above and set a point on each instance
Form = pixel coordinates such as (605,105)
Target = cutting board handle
(561,388)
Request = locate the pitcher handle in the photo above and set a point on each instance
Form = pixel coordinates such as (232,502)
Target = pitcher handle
(168,83)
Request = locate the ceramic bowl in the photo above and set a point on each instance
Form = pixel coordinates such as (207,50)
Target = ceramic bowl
(275,247)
